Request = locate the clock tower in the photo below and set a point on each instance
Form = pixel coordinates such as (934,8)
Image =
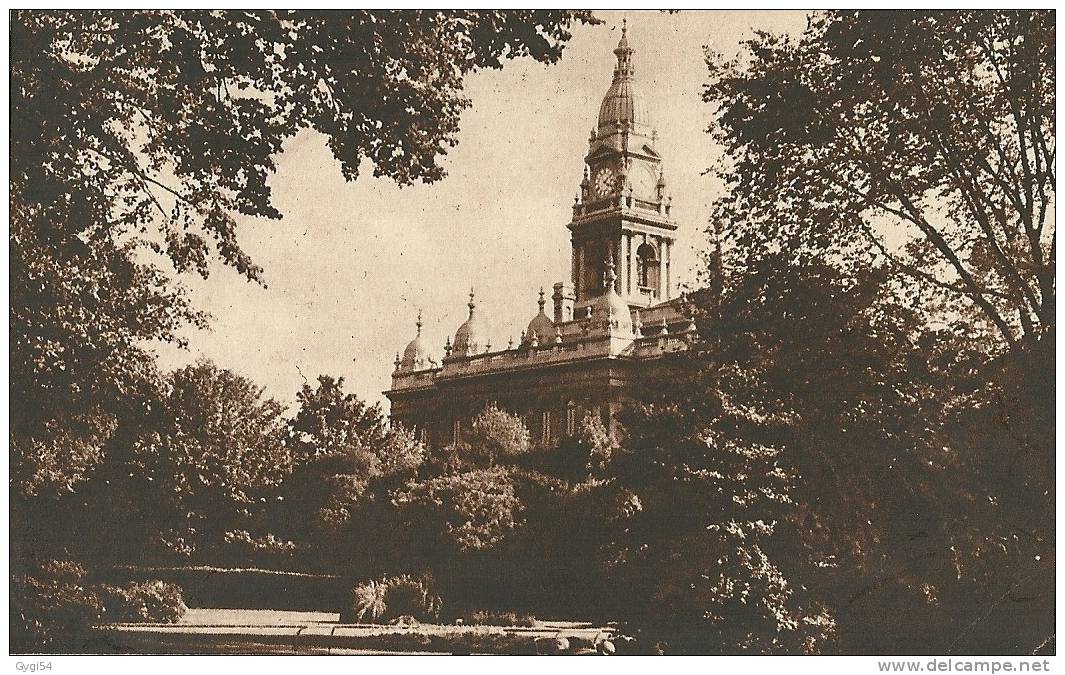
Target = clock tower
(616,325)
(622,214)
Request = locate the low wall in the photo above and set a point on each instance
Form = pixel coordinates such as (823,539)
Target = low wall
(245,588)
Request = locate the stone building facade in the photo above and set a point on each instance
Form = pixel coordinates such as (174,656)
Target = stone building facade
(611,324)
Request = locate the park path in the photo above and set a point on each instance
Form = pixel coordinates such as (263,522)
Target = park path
(243,631)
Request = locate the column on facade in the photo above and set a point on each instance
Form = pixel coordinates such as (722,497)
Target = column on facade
(634,281)
(623,264)
(663,273)
(619,261)
(574,271)
(669,263)
(578,283)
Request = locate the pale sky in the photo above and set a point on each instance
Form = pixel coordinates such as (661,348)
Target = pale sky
(350,264)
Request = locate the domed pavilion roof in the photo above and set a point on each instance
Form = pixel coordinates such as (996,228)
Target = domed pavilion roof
(472,336)
(623,103)
(416,356)
(541,326)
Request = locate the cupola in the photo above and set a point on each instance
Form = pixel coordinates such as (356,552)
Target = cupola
(416,356)
(610,310)
(541,326)
(623,104)
(472,336)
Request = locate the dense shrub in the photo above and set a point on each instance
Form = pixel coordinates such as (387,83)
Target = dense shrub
(52,608)
(152,601)
(241,548)
(368,601)
(412,596)
(448,459)
(469,511)
(394,597)
(485,617)
(497,435)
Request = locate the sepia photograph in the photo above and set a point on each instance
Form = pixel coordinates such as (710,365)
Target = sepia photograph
(523,332)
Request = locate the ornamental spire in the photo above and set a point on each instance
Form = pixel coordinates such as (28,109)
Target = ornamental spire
(624,52)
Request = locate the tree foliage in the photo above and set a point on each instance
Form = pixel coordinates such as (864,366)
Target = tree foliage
(331,422)
(468,511)
(888,244)
(498,436)
(711,494)
(346,461)
(924,139)
(215,455)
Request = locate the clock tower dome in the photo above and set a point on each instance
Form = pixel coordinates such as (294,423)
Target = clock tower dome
(622,214)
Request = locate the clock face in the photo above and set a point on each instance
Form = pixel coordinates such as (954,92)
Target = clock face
(646,180)
(605,182)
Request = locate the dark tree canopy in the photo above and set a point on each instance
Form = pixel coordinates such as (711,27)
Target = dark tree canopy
(887,288)
(214,456)
(330,422)
(926,139)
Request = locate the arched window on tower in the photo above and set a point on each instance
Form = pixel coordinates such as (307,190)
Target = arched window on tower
(595,253)
(647,267)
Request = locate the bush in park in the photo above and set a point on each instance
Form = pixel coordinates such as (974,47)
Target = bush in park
(388,599)
(150,601)
(52,608)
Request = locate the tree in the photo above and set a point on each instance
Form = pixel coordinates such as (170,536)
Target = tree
(838,359)
(331,422)
(923,139)
(899,473)
(878,169)
(346,462)
(710,495)
(783,447)
(497,436)
(214,459)
(469,511)
(138,137)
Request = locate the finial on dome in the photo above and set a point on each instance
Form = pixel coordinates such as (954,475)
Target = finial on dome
(471,304)
(623,43)
(510,343)
(418,323)
(447,346)
(397,361)
(541,301)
